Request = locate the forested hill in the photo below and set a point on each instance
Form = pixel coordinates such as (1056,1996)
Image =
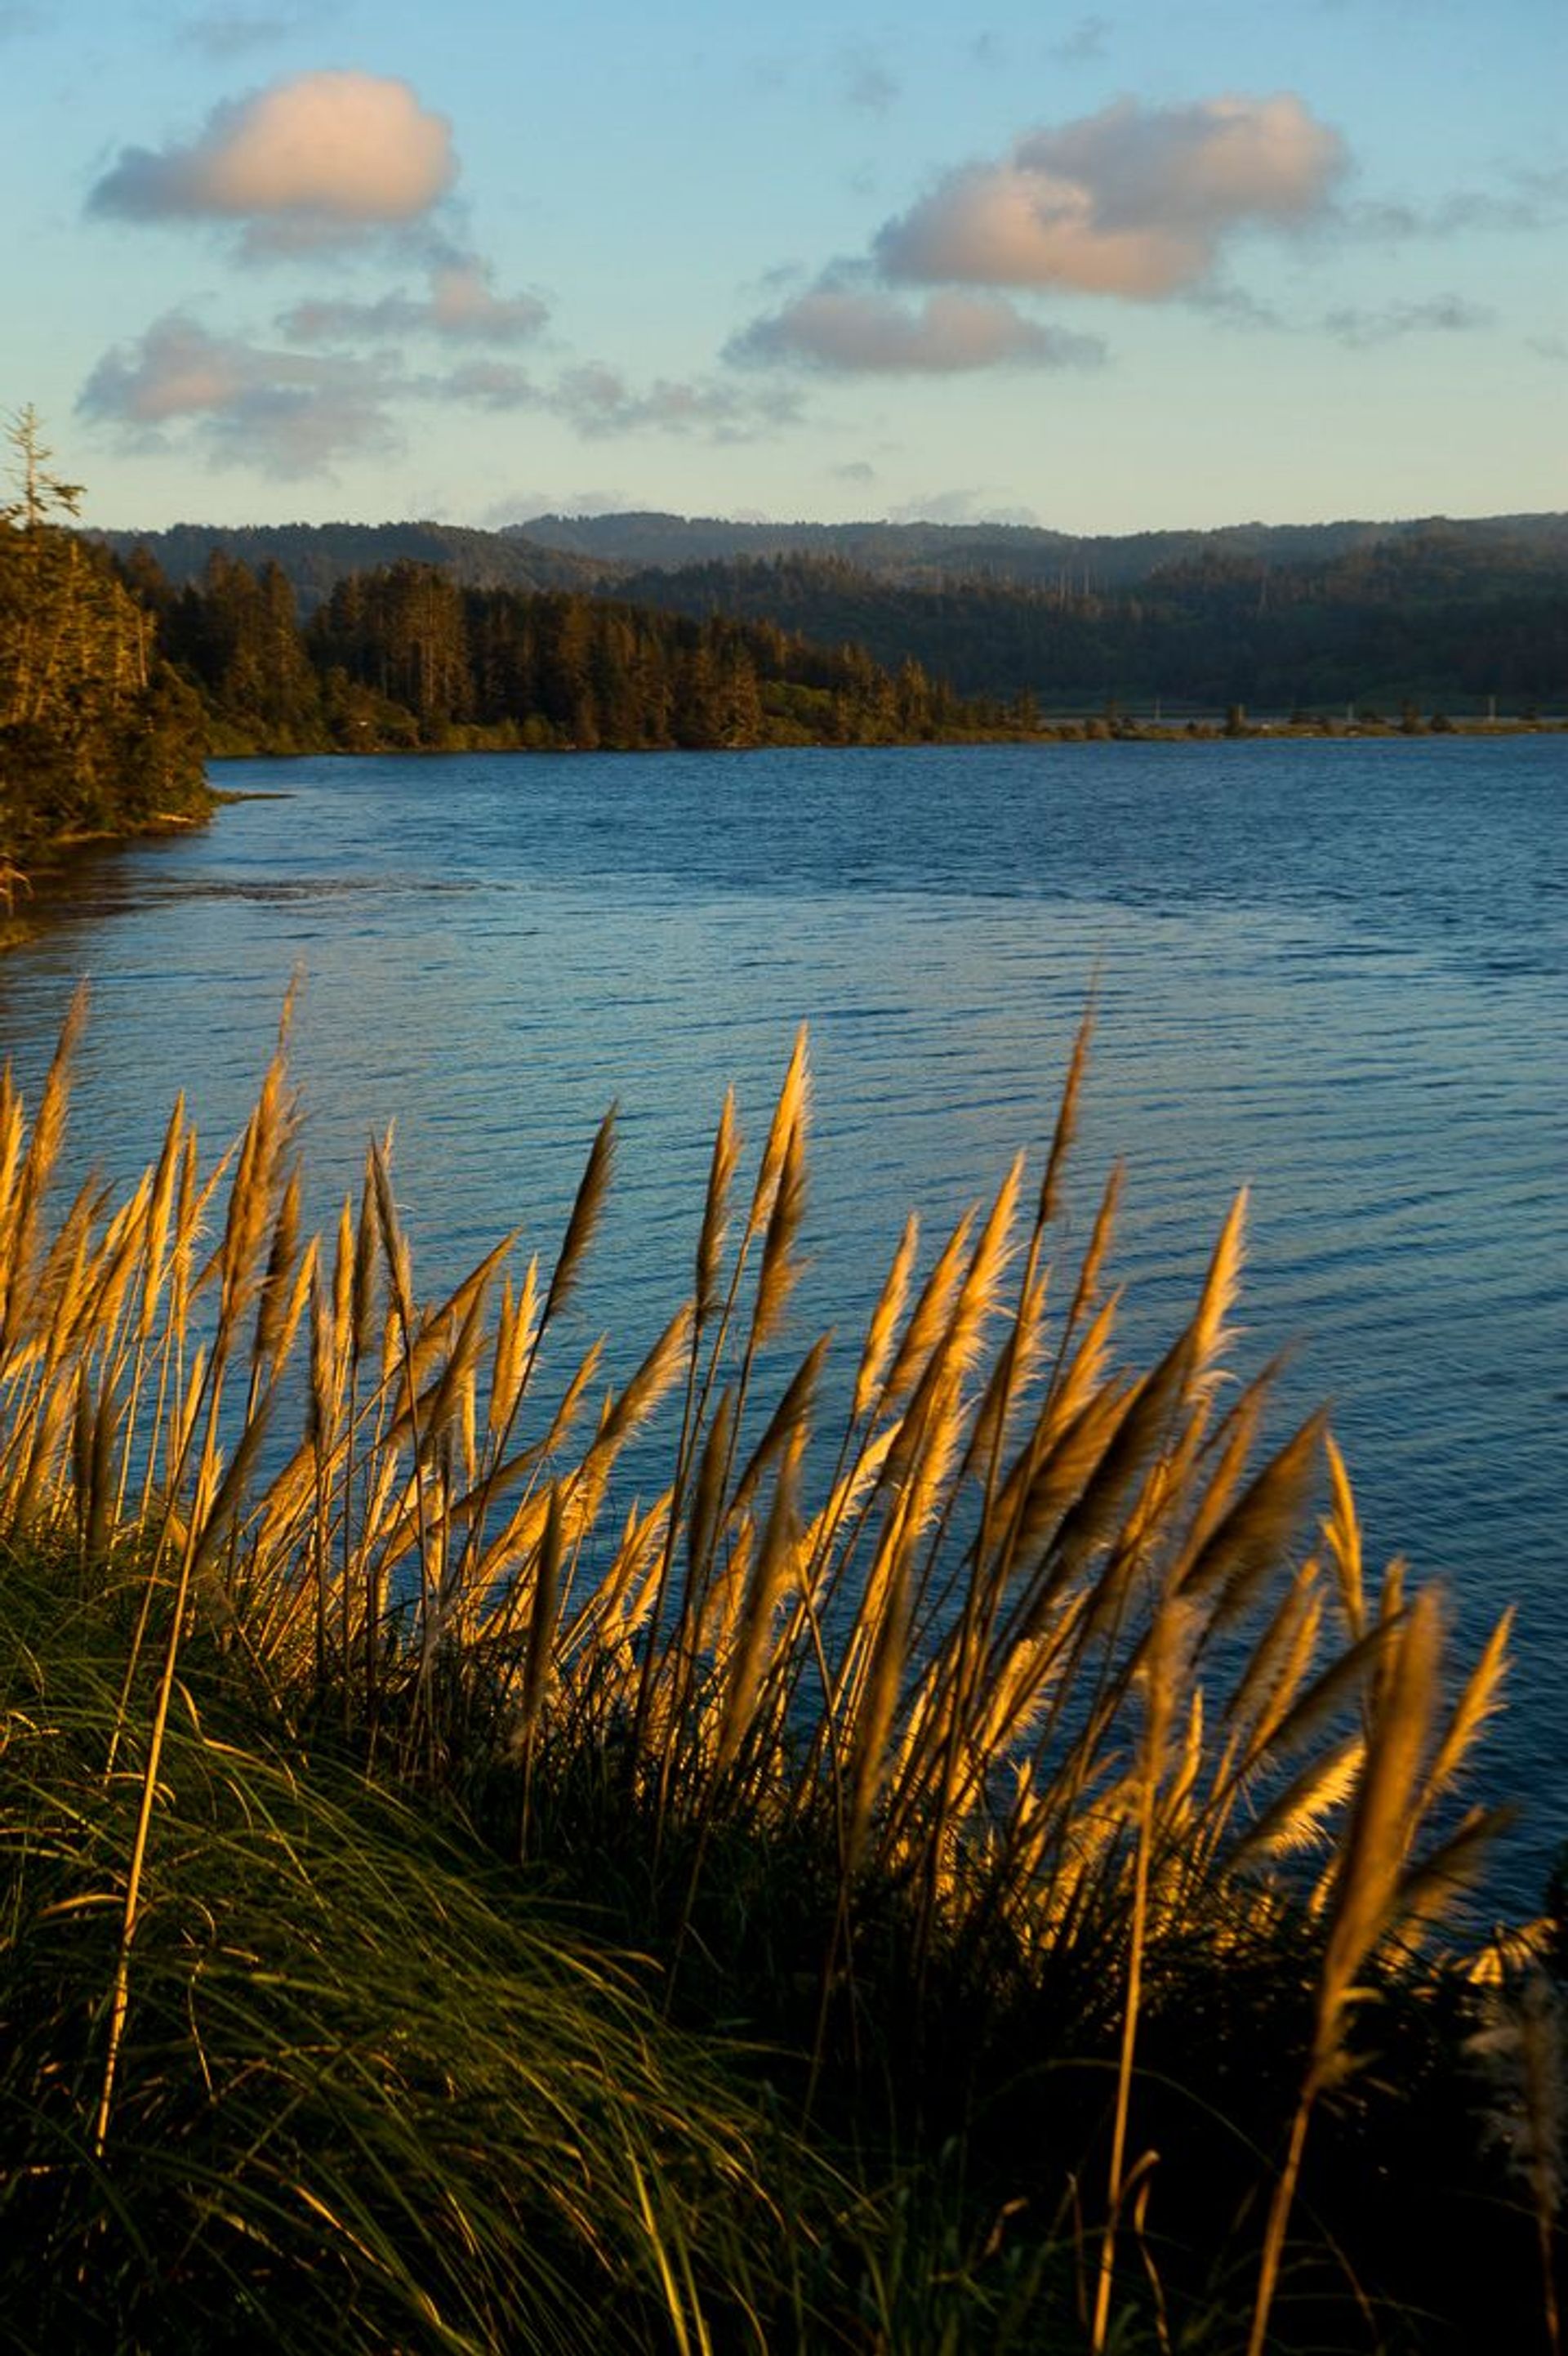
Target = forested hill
(1026,554)
(603,552)
(1446,617)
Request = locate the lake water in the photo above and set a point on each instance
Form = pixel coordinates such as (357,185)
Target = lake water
(1334,970)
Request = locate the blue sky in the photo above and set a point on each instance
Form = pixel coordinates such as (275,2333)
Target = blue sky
(1097,269)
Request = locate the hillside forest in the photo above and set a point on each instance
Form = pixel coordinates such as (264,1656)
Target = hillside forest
(1444,615)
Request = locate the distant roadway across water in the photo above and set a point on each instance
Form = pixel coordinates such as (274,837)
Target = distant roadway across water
(1336,971)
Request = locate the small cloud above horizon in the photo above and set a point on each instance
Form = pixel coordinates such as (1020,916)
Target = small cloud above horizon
(278,412)
(967,506)
(1525,201)
(845,329)
(311,160)
(290,413)
(462,306)
(527,507)
(1443,315)
(1134,202)
(598,400)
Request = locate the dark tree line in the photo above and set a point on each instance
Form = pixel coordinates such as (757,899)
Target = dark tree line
(97,732)
(1438,616)
(406,657)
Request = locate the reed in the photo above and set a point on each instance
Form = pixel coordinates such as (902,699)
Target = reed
(1017,1643)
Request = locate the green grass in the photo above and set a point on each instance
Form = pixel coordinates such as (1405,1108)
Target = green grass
(960,1869)
(373,2091)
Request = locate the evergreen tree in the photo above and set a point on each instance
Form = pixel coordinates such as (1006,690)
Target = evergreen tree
(95,732)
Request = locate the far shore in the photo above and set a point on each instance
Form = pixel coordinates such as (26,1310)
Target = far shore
(1068,729)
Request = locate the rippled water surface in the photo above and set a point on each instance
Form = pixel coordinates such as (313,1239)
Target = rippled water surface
(1334,970)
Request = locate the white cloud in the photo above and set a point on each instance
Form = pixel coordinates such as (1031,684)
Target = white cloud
(1135,201)
(846,328)
(313,158)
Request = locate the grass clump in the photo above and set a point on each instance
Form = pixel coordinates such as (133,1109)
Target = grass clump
(1039,1826)
(371,2092)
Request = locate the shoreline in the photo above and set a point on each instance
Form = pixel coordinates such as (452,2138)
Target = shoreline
(1090,729)
(54,858)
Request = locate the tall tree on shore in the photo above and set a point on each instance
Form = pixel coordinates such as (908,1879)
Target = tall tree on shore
(95,732)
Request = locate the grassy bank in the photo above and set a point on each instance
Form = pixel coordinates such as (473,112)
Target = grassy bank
(963,1865)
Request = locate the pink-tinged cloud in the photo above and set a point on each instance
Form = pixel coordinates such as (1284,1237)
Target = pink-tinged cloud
(463,303)
(278,412)
(293,413)
(850,330)
(1135,201)
(320,155)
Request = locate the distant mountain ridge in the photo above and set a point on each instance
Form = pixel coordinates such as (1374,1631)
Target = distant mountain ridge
(317,556)
(1029,554)
(1446,615)
(555,551)
(1438,618)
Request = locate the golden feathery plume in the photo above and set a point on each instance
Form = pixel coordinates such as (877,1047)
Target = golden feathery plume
(790,1113)
(1066,1121)
(593,1187)
(716,1209)
(884,1319)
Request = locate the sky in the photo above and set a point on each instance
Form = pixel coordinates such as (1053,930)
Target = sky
(1180,262)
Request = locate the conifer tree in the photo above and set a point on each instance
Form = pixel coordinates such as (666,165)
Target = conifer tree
(96,735)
